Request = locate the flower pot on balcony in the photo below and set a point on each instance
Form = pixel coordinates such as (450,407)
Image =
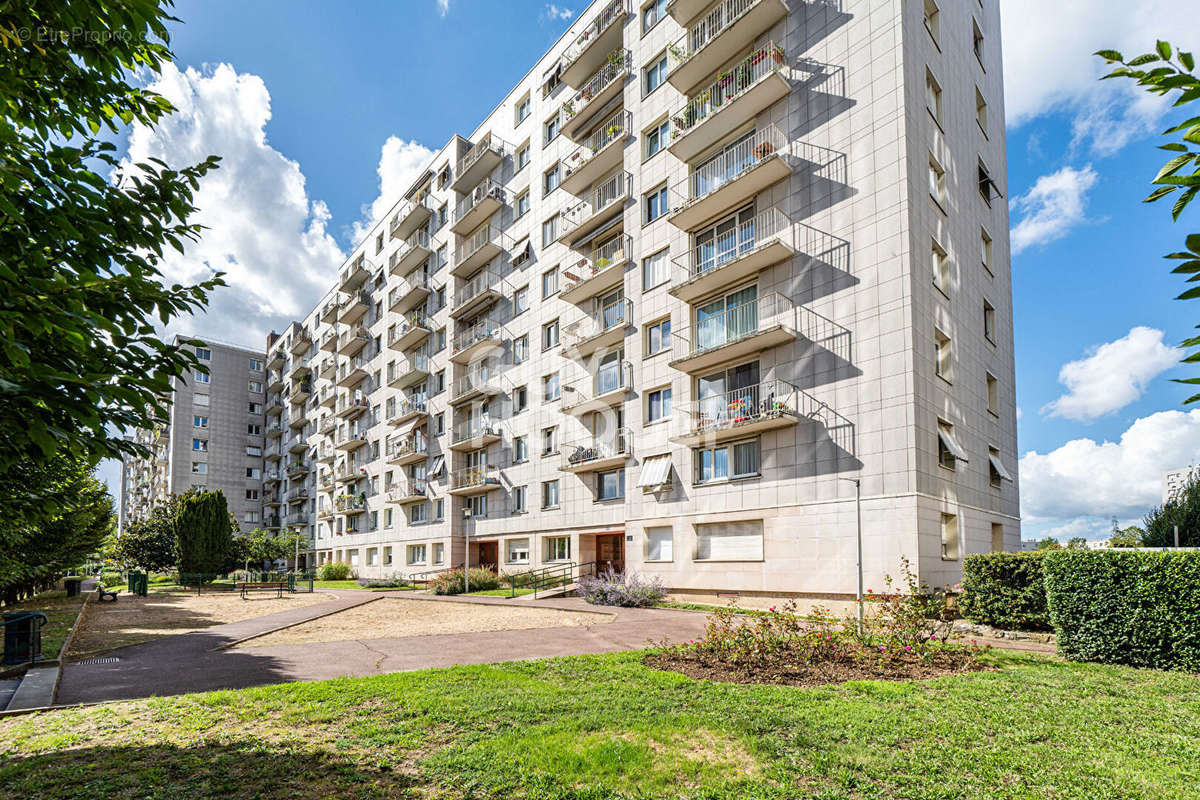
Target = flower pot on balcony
(763,150)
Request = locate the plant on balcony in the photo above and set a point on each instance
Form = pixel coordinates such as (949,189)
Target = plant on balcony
(616,59)
(777,54)
(725,79)
(677,53)
(763,150)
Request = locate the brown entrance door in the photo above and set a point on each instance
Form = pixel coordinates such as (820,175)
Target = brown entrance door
(489,555)
(610,552)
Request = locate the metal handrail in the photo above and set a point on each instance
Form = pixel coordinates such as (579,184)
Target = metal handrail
(764,61)
(471,428)
(486,188)
(613,252)
(490,141)
(595,448)
(472,476)
(609,190)
(765,400)
(616,67)
(480,331)
(734,324)
(483,281)
(706,29)
(611,131)
(600,383)
(616,314)
(729,245)
(599,24)
(728,165)
(471,245)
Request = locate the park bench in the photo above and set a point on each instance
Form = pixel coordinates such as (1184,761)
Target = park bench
(106,594)
(263,586)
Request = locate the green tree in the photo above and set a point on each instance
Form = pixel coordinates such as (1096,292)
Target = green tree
(148,544)
(1077,543)
(1130,536)
(1049,543)
(1184,511)
(203,531)
(260,545)
(82,237)
(1171,73)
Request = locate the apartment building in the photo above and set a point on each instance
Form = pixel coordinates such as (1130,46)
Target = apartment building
(214,440)
(705,267)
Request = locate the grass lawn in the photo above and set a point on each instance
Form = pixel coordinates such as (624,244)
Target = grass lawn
(349,584)
(60,612)
(503,592)
(605,726)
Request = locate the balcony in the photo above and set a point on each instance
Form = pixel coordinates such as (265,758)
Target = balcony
(729,180)
(477,294)
(349,472)
(596,453)
(478,249)
(297,468)
(353,372)
(354,308)
(297,495)
(606,84)
(606,389)
(477,383)
(349,504)
(412,254)
(734,254)
(353,340)
(412,217)
(276,359)
(735,98)
(274,430)
(328,397)
(410,491)
(478,162)
(329,342)
(736,333)
(348,406)
(301,391)
(409,294)
(301,343)
(408,370)
(275,380)
(474,434)
(354,275)
(409,333)
(274,404)
(590,49)
(325,512)
(271,501)
(327,368)
(600,271)
(351,440)
(475,341)
(407,409)
(407,450)
(473,480)
(602,330)
(719,36)
(748,411)
(477,207)
(599,154)
(603,202)
(299,369)
(326,455)
(329,312)
(273,454)
(297,444)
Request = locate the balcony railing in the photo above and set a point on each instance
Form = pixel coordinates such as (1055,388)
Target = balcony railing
(731,244)
(470,477)
(484,244)
(485,190)
(347,404)
(736,322)
(475,428)
(481,331)
(405,367)
(615,68)
(412,323)
(612,253)
(730,165)
(612,130)
(720,19)
(405,446)
(611,317)
(610,192)
(611,13)
(300,518)
(398,296)
(489,144)
(607,379)
(596,448)
(355,337)
(404,490)
(349,502)
(484,282)
(764,61)
(418,208)
(756,403)
(480,379)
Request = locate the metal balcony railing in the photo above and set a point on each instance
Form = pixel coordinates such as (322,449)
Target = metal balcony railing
(729,243)
(348,436)
(415,320)
(474,428)
(616,314)
(734,323)
(730,85)
(729,165)
(300,518)
(485,281)
(483,330)
(356,334)
(404,446)
(422,202)
(349,502)
(356,298)
(596,448)
(487,188)
(489,142)
(414,487)
(610,190)
(611,13)
(407,287)
(615,68)
(611,253)
(707,28)
(417,362)
(477,379)
(469,477)
(345,403)
(417,240)
(488,234)
(766,400)
(607,378)
(610,131)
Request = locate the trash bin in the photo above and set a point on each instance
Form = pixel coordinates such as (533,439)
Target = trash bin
(22,636)
(143,584)
(133,582)
(72,586)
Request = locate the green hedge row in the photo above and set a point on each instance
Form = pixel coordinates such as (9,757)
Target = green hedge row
(1005,590)
(1136,608)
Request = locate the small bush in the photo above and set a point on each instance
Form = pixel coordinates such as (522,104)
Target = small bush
(109,579)
(621,589)
(334,571)
(1005,590)
(1122,607)
(451,581)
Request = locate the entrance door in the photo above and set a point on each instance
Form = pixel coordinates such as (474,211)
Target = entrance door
(610,552)
(489,555)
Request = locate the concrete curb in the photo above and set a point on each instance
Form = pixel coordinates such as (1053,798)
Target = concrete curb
(278,628)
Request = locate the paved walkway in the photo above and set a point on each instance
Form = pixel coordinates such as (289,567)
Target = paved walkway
(191,662)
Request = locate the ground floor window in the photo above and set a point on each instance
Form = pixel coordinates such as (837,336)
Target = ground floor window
(949,537)
(416,554)
(518,551)
(660,544)
(558,548)
(387,555)
(372,556)
(610,485)
(738,460)
(353,558)
(439,553)
(730,541)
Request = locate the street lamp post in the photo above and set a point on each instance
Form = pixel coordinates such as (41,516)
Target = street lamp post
(858,515)
(467,550)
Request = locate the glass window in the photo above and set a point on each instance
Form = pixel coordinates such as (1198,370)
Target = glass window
(204,354)
(550,180)
(416,552)
(550,389)
(521,348)
(200,445)
(439,553)
(655,203)
(655,73)
(655,269)
(713,463)
(943,358)
(524,107)
(522,204)
(256,365)
(417,514)
(549,494)
(949,537)
(549,440)
(517,551)
(937,182)
(199,422)
(199,468)
(519,499)
(550,231)
(521,300)
(658,337)
(550,335)
(551,128)
(201,377)
(653,14)
(520,399)
(658,404)
(256,386)
(520,448)
(523,158)
(610,485)
(933,97)
(989,322)
(558,548)
(550,283)
(657,138)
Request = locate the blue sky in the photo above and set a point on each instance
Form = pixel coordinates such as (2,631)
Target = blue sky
(324,110)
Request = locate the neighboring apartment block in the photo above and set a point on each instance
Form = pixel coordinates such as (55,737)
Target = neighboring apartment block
(1176,480)
(214,440)
(707,264)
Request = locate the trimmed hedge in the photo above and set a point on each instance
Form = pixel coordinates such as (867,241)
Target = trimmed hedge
(1005,590)
(1135,608)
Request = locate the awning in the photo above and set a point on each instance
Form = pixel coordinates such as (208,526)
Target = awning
(952,444)
(656,471)
(998,465)
(436,467)
(408,427)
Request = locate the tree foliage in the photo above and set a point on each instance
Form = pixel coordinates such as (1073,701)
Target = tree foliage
(1184,511)
(260,545)
(82,236)
(204,534)
(1168,72)
(148,544)
(1131,536)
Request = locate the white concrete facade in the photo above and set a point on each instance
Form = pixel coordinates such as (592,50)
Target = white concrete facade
(814,157)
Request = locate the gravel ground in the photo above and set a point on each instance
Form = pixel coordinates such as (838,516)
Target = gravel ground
(393,617)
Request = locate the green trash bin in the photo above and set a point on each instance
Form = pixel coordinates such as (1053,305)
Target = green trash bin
(72,584)
(143,584)
(133,581)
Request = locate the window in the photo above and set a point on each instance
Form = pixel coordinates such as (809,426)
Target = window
(256,386)
(256,365)
(387,517)
(658,404)
(937,183)
(372,556)
(550,387)
(520,449)
(656,139)
(981,112)
(654,74)
(949,537)
(989,322)
(943,363)
(933,97)
(653,14)
(550,335)
(439,553)
(987,187)
(655,270)
(950,452)
(517,551)
(551,128)
(519,499)
(551,178)
(549,441)
(199,468)
(200,399)
(200,445)
(660,544)
(932,19)
(253,473)
(417,514)
(610,485)
(255,408)
(521,300)
(387,556)
(977,41)
(204,354)
(558,548)
(550,283)
(416,554)
(993,394)
(477,505)
(521,207)
(550,231)
(524,107)
(253,450)
(996,469)
(199,422)
(549,494)
(521,348)
(250,516)
(713,463)
(522,255)
(439,382)
(522,158)
(253,429)
(655,204)
(439,338)
(658,336)
(985,249)
(252,494)
(439,423)
(997,537)
(520,399)
(941,267)
(439,509)
(201,377)
(729,541)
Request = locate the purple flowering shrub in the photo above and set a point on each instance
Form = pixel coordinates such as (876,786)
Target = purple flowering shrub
(621,589)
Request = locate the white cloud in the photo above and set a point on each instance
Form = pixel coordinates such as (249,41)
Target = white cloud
(1090,480)
(400,162)
(1052,207)
(554,12)
(1049,66)
(1113,375)
(443,7)
(263,231)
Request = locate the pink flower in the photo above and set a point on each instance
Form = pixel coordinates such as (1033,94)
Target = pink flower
(908,648)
